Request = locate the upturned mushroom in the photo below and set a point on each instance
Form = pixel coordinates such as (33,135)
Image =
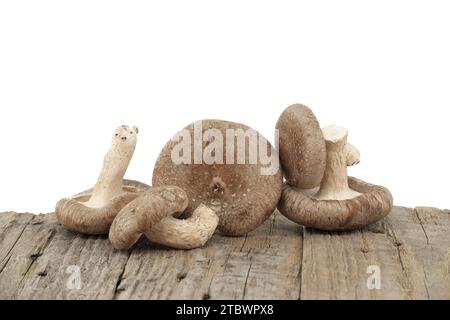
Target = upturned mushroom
(145,212)
(339,202)
(155,214)
(189,233)
(210,160)
(93,211)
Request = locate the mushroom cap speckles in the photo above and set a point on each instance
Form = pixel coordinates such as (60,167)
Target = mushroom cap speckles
(75,216)
(374,203)
(145,212)
(241,196)
(302,147)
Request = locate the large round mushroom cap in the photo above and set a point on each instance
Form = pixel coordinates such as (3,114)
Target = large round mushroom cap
(302,147)
(240,187)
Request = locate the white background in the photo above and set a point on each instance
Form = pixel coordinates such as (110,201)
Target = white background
(70,72)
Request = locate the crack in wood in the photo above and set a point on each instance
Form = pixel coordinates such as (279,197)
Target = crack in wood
(302,256)
(12,247)
(421,225)
(425,282)
(246,280)
(117,288)
(243,243)
(271,227)
(33,258)
(8,254)
(397,244)
(6,263)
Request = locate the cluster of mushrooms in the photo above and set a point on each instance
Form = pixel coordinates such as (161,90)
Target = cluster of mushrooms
(188,202)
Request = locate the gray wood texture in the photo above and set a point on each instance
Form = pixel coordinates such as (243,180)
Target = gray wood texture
(279,260)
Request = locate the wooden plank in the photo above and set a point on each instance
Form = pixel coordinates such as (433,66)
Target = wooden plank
(263,265)
(335,264)
(279,260)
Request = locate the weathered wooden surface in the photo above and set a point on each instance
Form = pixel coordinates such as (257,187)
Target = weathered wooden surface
(280,260)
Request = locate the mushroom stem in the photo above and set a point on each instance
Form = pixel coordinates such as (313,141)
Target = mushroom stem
(110,181)
(334,185)
(189,233)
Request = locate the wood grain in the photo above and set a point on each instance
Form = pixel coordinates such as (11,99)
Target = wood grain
(279,260)
(263,265)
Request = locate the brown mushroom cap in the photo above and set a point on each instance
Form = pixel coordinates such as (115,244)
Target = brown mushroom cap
(75,216)
(189,233)
(132,186)
(302,147)
(374,203)
(352,154)
(143,213)
(240,194)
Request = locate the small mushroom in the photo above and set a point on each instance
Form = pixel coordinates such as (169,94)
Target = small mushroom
(238,192)
(144,213)
(340,202)
(189,233)
(93,211)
